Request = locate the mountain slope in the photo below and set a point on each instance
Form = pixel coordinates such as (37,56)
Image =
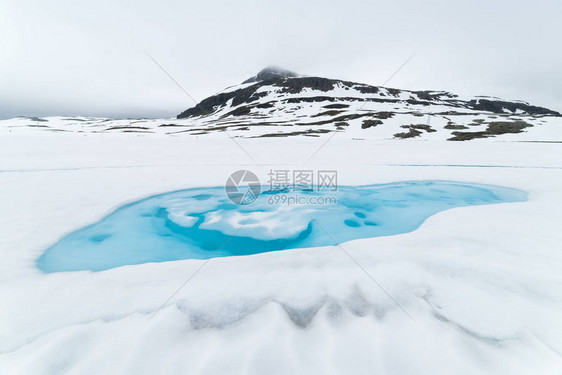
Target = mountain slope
(313,105)
(279,103)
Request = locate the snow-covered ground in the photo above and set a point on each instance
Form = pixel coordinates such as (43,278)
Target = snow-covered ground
(475,290)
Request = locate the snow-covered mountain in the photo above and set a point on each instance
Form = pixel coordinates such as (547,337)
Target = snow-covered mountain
(279,103)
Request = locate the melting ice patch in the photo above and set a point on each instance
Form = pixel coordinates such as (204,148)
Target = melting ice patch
(203,223)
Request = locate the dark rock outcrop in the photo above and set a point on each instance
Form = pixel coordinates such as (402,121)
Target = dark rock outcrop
(498,106)
(271,72)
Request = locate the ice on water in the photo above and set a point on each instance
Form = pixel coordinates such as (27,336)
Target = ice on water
(202,223)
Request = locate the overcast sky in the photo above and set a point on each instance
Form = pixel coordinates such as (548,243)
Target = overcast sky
(89,57)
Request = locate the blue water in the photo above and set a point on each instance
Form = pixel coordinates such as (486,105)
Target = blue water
(203,223)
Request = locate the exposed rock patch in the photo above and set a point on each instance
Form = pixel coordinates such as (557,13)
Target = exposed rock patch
(493,129)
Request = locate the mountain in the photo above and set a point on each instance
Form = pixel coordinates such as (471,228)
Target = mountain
(280,103)
(283,100)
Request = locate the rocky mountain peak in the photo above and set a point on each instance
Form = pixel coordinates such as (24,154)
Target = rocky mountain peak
(271,72)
